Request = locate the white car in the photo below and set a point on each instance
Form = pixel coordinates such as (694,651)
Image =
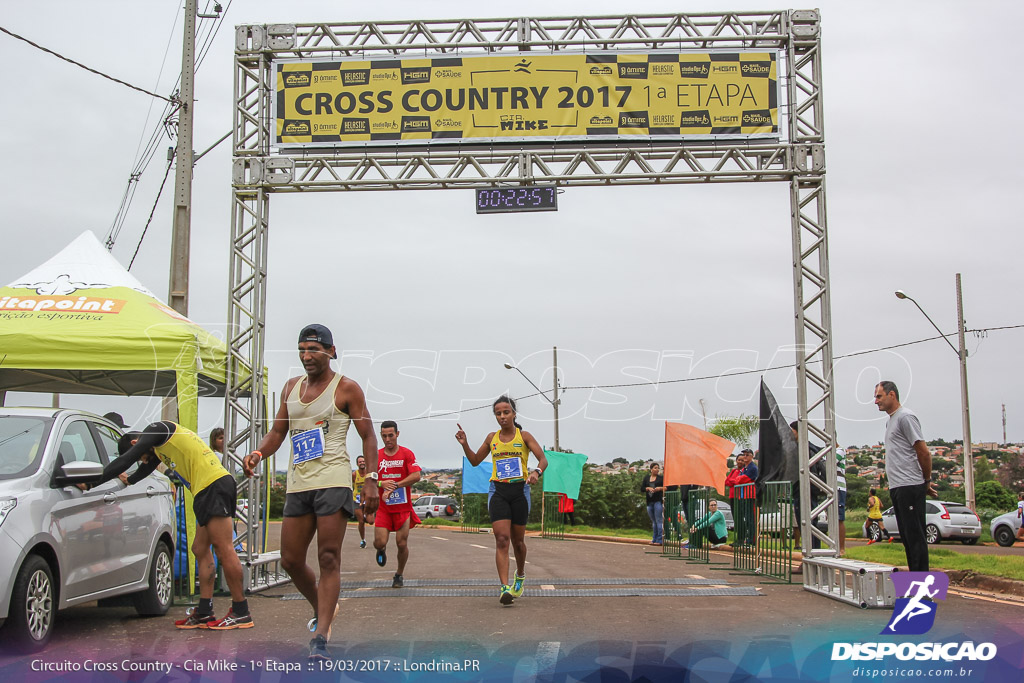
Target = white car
(1004,528)
(61,546)
(426,507)
(944,520)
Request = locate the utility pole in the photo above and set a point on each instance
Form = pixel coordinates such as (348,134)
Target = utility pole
(177,292)
(1004,423)
(968,451)
(555,402)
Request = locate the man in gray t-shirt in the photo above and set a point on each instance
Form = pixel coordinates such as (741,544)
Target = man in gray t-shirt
(908,467)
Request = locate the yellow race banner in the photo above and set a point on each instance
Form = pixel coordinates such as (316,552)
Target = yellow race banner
(524,96)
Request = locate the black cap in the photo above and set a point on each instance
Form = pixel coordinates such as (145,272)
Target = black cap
(746,450)
(125,442)
(318,333)
(116,419)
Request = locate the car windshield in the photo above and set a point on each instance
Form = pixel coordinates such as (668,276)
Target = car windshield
(21,444)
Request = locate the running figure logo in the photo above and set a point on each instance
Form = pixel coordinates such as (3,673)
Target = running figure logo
(914,613)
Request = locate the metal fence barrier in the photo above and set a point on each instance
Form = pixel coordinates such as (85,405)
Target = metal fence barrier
(554,525)
(474,517)
(744,515)
(697,550)
(775,524)
(675,516)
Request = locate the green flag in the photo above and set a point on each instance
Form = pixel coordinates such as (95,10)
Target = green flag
(564,473)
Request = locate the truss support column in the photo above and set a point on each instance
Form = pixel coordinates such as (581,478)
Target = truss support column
(811,286)
(244,398)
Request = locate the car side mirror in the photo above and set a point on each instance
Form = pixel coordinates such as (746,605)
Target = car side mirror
(79,473)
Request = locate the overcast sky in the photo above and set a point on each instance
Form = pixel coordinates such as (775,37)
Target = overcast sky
(427,300)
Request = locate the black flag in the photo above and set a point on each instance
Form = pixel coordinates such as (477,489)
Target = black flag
(778,455)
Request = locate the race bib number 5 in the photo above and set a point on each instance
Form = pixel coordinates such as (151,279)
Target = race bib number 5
(509,468)
(308,445)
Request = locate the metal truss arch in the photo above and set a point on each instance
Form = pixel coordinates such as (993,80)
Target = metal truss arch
(797,158)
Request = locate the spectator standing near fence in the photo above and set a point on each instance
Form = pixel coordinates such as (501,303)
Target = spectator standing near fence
(653,486)
(908,467)
(745,472)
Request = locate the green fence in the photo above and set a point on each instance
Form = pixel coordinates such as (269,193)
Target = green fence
(474,517)
(672,545)
(696,506)
(745,554)
(554,526)
(775,522)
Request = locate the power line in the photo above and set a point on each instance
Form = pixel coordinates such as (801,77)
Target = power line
(151,212)
(83,66)
(718,376)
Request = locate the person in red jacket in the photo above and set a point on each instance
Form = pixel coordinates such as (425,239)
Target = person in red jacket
(745,472)
(566,506)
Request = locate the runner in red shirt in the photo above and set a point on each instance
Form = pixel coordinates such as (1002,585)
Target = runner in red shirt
(397,471)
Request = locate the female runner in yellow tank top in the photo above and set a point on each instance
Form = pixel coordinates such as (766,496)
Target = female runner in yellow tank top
(508,501)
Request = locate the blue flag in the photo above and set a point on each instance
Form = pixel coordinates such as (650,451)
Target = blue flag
(475,479)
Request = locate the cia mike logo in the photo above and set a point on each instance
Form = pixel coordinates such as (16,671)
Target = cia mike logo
(914,613)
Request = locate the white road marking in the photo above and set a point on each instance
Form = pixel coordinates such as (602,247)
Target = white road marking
(439,538)
(482,547)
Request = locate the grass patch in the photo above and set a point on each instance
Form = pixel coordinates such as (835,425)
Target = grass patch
(595,531)
(1008,567)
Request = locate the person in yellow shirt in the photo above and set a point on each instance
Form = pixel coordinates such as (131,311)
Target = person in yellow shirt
(875,517)
(358,479)
(185,453)
(508,500)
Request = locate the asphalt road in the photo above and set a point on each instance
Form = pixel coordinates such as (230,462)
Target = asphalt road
(528,636)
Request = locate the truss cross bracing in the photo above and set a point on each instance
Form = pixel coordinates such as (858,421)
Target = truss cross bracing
(796,156)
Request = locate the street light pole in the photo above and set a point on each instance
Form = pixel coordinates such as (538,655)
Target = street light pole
(964,402)
(554,404)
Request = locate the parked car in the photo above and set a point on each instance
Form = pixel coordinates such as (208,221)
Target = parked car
(1004,528)
(944,520)
(60,545)
(445,507)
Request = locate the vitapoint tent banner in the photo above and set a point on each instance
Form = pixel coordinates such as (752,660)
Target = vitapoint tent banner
(527,96)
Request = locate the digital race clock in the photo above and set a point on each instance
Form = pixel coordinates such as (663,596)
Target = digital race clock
(515,199)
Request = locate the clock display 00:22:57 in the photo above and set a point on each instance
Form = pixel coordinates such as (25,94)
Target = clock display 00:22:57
(515,199)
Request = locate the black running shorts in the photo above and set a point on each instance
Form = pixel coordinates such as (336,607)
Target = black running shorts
(216,500)
(509,501)
(321,502)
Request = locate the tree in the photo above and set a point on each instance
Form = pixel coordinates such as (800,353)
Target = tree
(991,495)
(425,486)
(740,429)
(864,460)
(982,470)
(621,460)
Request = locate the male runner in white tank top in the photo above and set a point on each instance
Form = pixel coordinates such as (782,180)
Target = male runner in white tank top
(315,413)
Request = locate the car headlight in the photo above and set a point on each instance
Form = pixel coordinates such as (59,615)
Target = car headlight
(6,505)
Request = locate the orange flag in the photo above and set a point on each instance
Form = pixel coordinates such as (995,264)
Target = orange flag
(693,456)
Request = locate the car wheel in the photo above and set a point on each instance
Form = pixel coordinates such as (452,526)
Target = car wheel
(450,510)
(931,534)
(1004,536)
(428,516)
(155,600)
(969,541)
(29,622)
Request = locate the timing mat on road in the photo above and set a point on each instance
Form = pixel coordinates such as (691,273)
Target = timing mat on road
(547,581)
(623,592)
(623,587)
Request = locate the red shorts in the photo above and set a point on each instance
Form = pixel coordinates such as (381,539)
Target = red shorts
(394,520)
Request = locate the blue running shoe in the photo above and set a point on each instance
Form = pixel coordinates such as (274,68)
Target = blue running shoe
(382,558)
